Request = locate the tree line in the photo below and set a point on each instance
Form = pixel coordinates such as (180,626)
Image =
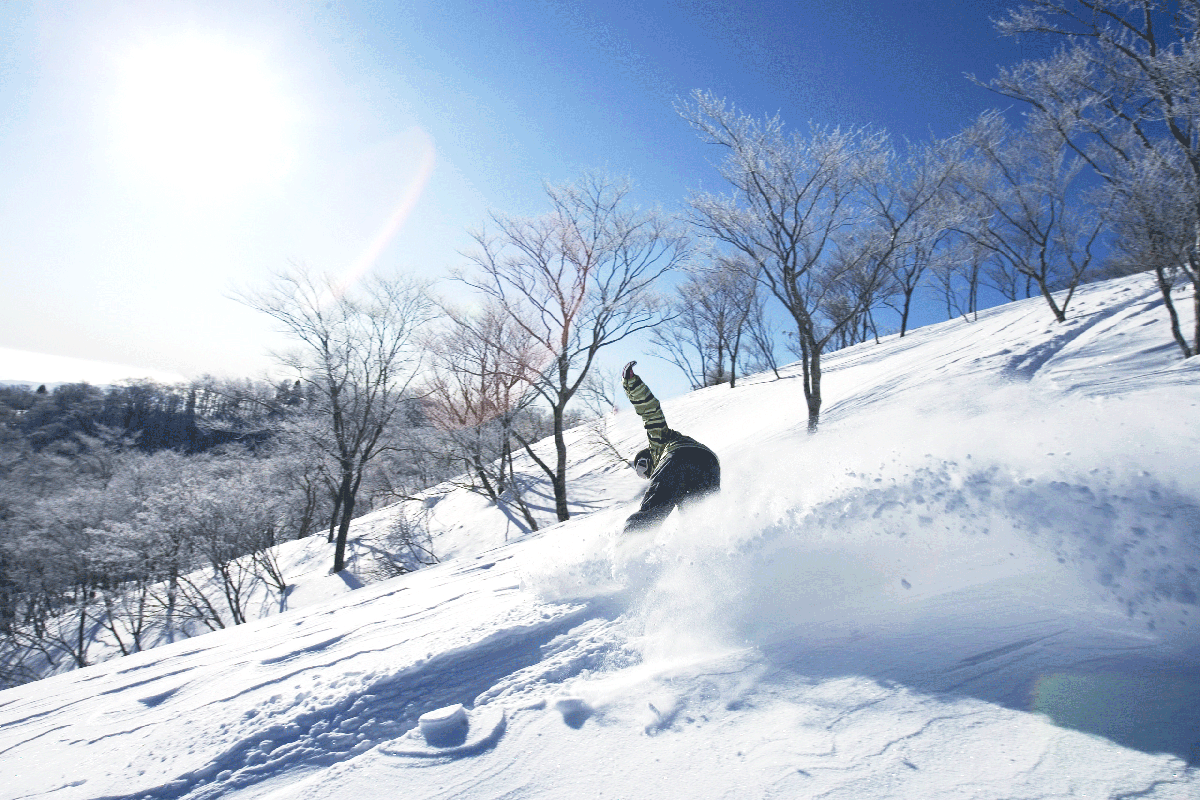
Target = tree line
(816,236)
(141,513)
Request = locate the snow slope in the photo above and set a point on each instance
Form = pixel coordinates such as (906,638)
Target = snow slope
(979,580)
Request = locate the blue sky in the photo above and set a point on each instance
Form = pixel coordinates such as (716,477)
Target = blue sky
(158,155)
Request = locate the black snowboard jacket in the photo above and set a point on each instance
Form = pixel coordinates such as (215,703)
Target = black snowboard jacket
(680,467)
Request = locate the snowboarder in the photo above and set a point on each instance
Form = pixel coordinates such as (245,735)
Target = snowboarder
(679,468)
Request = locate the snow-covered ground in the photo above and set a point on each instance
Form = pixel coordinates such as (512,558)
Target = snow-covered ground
(979,580)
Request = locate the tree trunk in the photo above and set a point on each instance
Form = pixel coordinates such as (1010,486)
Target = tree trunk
(560,467)
(908,293)
(733,357)
(810,359)
(1164,286)
(1059,314)
(476,464)
(346,501)
(812,393)
(1196,314)
(335,514)
(517,494)
(172,595)
(80,654)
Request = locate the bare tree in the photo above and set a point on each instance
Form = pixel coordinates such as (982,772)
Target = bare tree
(1121,93)
(478,382)
(861,263)
(907,197)
(762,334)
(600,391)
(576,280)
(1029,212)
(793,198)
(304,469)
(1156,230)
(599,394)
(357,359)
(912,262)
(703,336)
(681,339)
(957,270)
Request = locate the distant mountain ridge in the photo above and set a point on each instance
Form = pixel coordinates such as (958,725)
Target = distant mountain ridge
(53,370)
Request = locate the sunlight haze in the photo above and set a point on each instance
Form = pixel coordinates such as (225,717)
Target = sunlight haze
(200,117)
(159,157)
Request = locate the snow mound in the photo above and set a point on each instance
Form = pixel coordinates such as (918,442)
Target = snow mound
(450,733)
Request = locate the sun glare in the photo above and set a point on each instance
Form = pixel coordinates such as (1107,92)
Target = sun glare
(202,116)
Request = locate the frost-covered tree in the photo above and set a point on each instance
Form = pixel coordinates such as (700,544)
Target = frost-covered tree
(357,358)
(575,280)
(907,196)
(477,386)
(62,572)
(793,198)
(709,318)
(1156,229)
(956,271)
(101,542)
(1121,91)
(1023,205)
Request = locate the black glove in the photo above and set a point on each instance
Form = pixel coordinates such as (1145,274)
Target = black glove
(627,373)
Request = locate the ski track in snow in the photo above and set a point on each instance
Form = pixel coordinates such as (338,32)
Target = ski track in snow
(979,581)
(313,699)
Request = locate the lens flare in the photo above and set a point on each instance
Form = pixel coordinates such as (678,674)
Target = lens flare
(409,196)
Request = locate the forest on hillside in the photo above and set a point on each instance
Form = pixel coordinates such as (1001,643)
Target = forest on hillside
(115,500)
